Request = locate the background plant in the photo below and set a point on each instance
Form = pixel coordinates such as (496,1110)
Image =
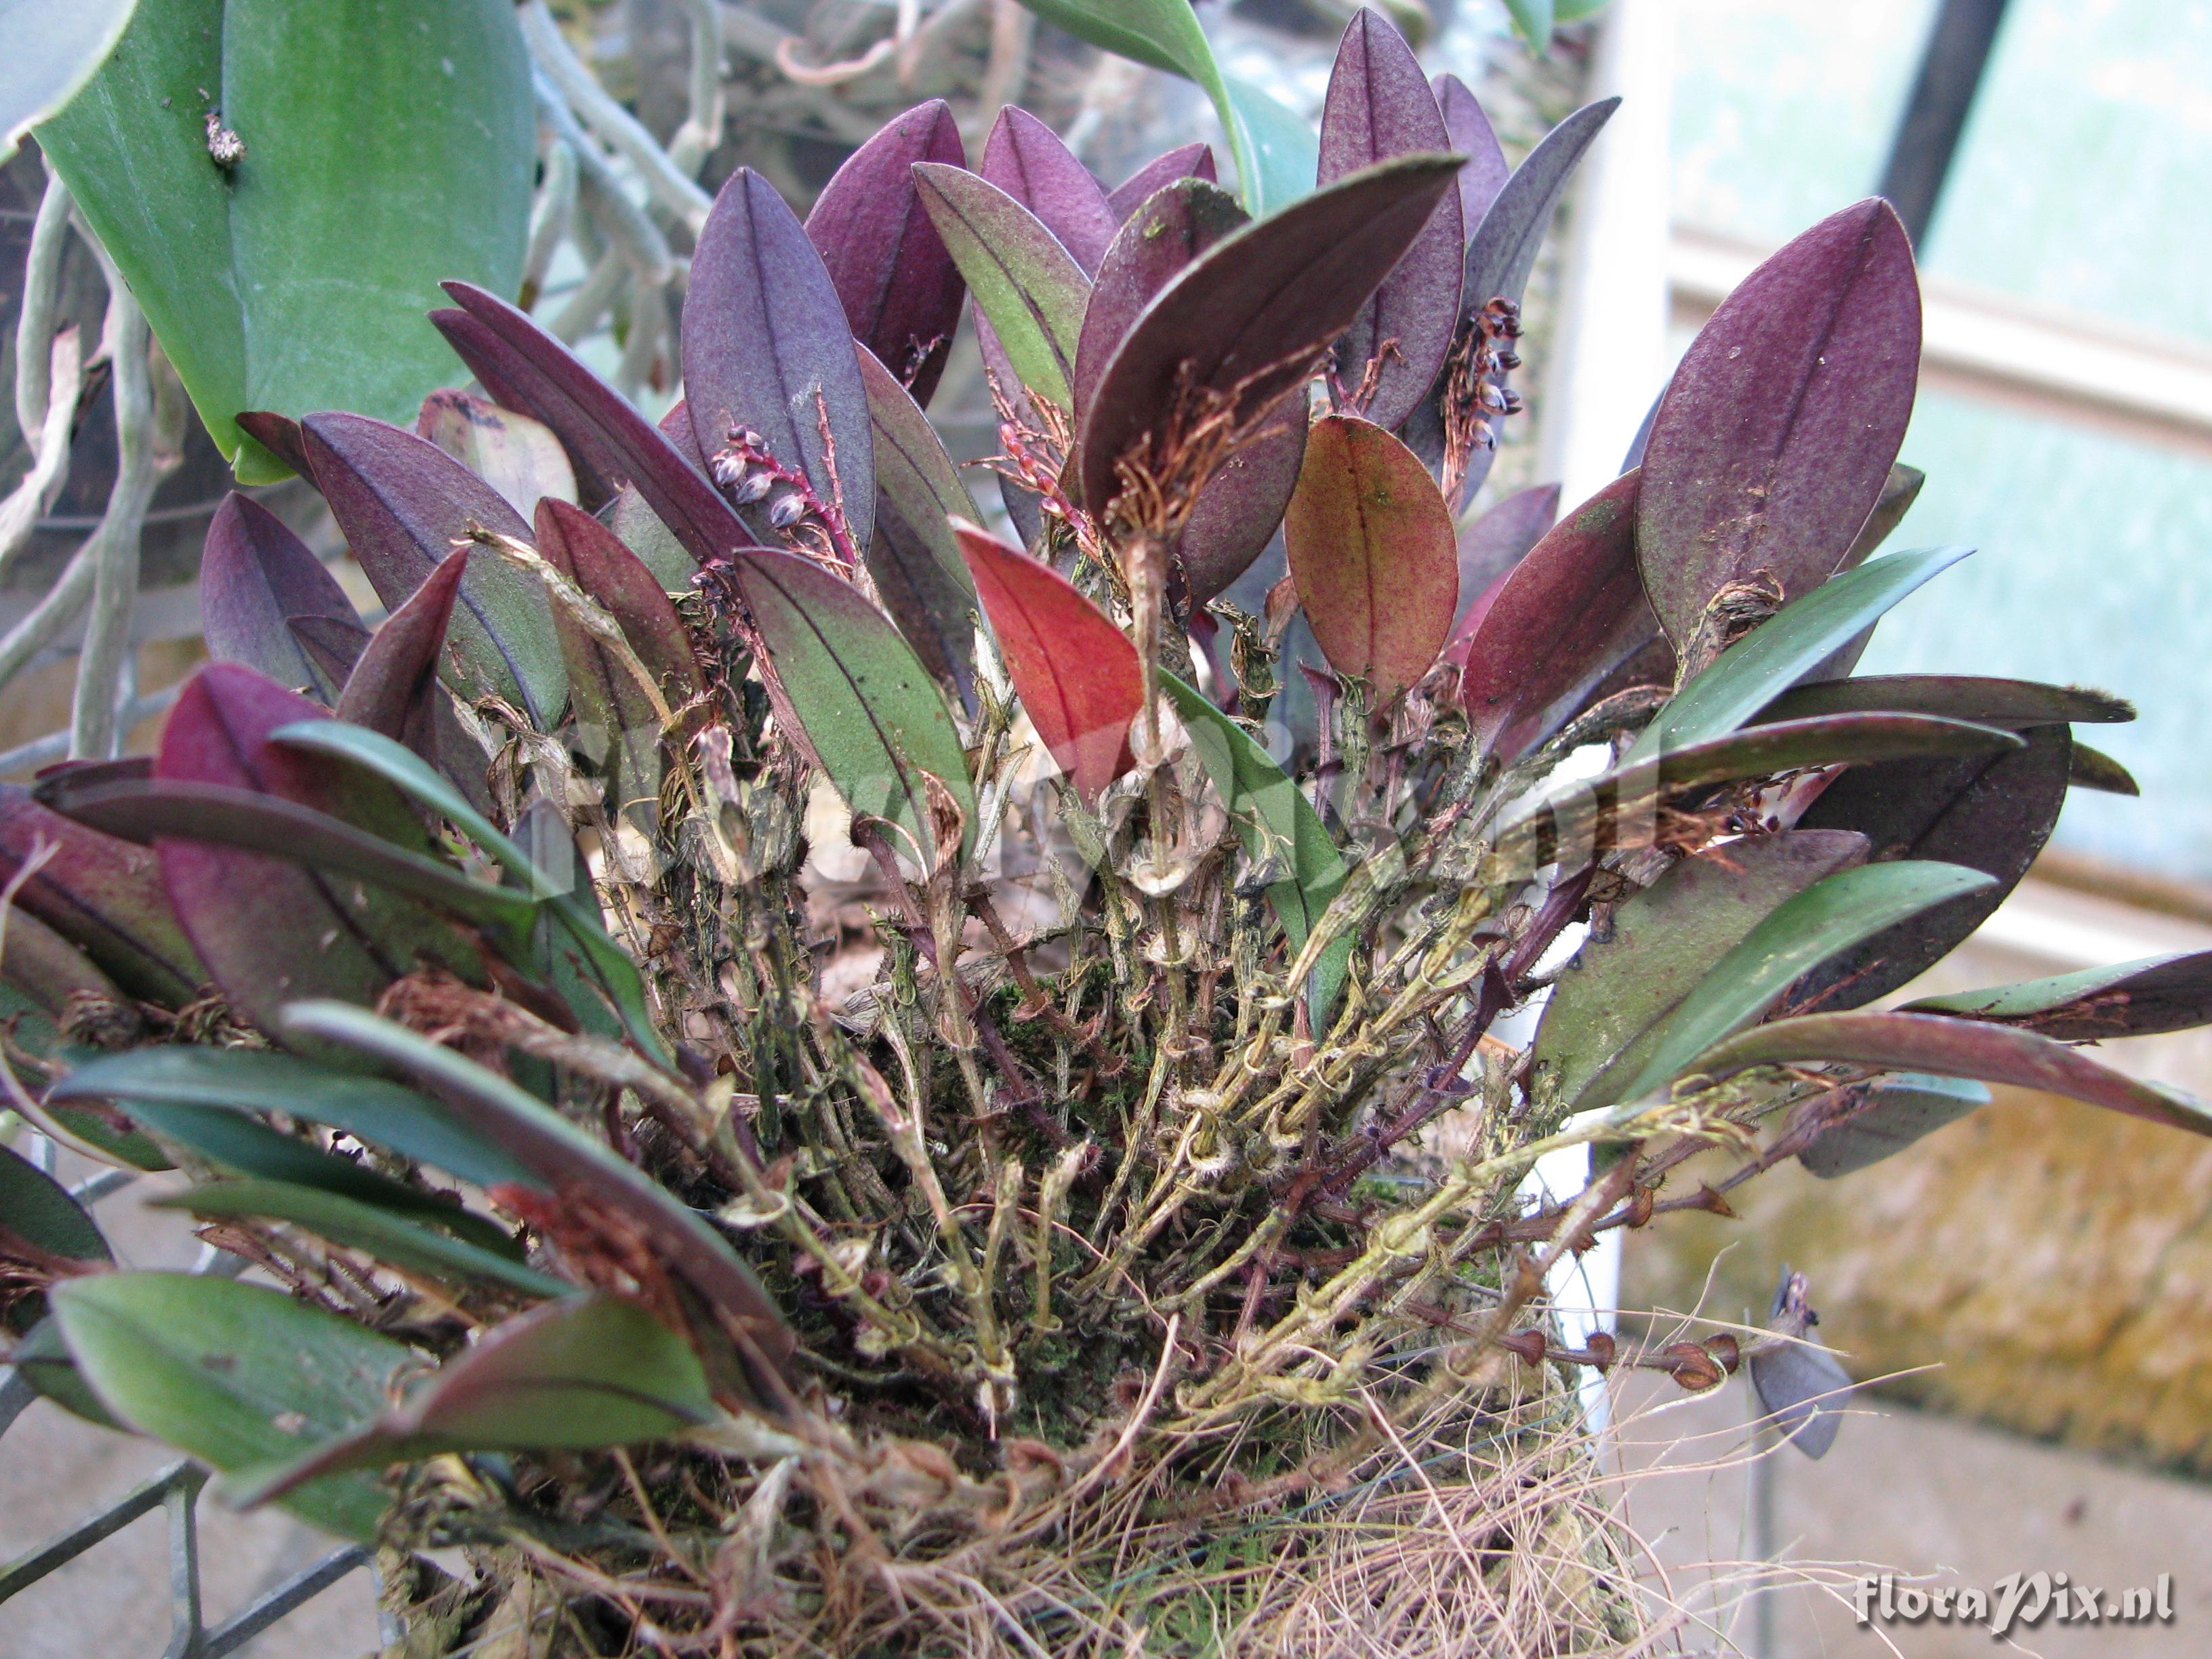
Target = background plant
(1083,1207)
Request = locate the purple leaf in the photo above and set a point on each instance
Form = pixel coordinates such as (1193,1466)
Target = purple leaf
(270,930)
(1379,105)
(899,287)
(1988,812)
(104,895)
(1494,544)
(593,557)
(767,346)
(600,428)
(333,645)
(1571,612)
(2131,998)
(915,556)
(1954,1048)
(1240,506)
(403,503)
(1501,251)
(1162,236)
(254,575)
(1247,321)
(1372,550)
(1485,171)
(515,455)
(1774,440)
(1187,161)
(2014,704)
(1025,158)
(394,687)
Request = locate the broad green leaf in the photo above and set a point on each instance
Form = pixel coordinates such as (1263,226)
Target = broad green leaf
(383,1112)
(1279,144)
(1800,934)
(1621,986)
(1279,826)
(354,1225)
(237,1376)
(237,1141)
(1894,1113)
(387,144)
(42,1359)
(1027,286)
(1758,668)
(863,700)
(48,50)
(1532,21)
(589,1371)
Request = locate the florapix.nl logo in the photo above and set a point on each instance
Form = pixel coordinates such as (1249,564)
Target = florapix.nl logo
(2017,1601)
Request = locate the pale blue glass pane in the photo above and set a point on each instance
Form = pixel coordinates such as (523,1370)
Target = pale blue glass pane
(2086,169)
(1784,113)
(2095,569)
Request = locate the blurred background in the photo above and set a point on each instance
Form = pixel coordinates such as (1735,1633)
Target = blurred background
(2033,1285)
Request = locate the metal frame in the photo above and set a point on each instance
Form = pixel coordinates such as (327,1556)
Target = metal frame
(176,1490)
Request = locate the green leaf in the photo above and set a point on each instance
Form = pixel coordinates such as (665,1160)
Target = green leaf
(1621,986)
(590,1370)
(237,1376)
(1278,825)
(38,1210)
(234,1140)
(42,1359)
(48,50)
(863,700)
(386,1114)
(1532,21)
(1756,670)
(2129,999)
(354,1225)
(387,145)
(1165,33)
(1027,286)
(1831,917)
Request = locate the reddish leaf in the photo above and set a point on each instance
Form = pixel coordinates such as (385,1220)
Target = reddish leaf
(515,455)
(1076,674)
(1025,158)
(899,287)
(255,574)
(1161,238)
(1955,1047)
(1494,544)
(271,930)
(1379,105)
(1373,551)
(1774,439)
(1239,507)
(1571,612)
(544,379)
(1485,171)
(767,346)
(403,503)
(593,557)
(394,687)
(104,895)
(1186,161)
(1990,812)
(1246,322)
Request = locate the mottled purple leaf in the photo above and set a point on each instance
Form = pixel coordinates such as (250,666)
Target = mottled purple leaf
(1774,440)
(103,895)
(1026,159)
(1379,105)
(1241,505)
(394,687)
(1882,1118)
(1471,135)
(254,575)
(1988,812)
(1494,544)
(1186,161)
(403,503)
(1373,554)
(1954,1048)
(900,288)
(767,346)
(546,380)
(1158,241)
(1076,674)
(1248,320)
(517,456)
(1572,609)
